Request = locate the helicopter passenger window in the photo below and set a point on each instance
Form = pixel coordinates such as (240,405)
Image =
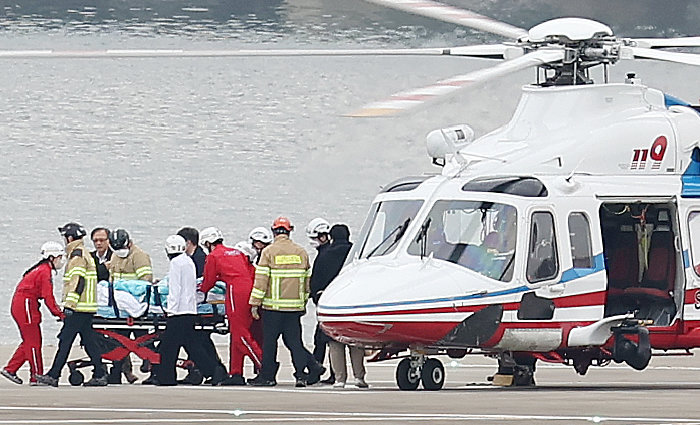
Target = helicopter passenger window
(694,228)
(580,238)
(542,261)
(478,235)
(385,226)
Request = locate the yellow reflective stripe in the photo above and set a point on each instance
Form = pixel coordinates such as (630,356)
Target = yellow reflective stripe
(262,270)
(257,293)
(275,287)
(143,271)
(288,273)
(298,304)
(72,296)
(287,259)
(123,276)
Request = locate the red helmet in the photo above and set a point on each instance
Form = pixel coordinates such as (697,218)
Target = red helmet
(282,222)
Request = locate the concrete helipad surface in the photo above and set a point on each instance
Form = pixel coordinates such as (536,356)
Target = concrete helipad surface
(666,393)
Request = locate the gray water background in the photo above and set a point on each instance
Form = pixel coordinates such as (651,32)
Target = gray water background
(156,144)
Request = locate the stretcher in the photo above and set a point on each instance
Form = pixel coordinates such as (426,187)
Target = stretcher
(130,319)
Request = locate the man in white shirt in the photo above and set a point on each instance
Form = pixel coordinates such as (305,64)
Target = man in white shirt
(181,309)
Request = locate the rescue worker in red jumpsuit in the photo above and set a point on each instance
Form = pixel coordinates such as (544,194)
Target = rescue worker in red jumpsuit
(231,266)
(36,284)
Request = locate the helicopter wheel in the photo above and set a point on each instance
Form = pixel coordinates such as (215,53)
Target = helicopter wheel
(407,377)
(432,375)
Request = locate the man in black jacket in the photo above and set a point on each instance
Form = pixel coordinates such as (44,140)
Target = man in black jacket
(330,262)
(327,265)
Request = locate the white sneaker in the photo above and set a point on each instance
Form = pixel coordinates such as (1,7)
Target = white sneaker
(339,384)
(360,383)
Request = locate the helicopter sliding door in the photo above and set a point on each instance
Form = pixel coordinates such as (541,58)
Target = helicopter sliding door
(643,265)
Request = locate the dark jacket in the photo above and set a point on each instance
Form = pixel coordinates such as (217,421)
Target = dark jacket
(330,260)
(198,258)
(102,270)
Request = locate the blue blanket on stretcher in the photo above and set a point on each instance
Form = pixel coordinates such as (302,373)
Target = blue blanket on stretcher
(138,298)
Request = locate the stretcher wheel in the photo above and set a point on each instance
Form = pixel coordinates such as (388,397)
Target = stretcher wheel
(76,378)
(195,377)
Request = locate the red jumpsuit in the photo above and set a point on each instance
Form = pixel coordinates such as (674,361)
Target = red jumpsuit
(34,286)
(232,267)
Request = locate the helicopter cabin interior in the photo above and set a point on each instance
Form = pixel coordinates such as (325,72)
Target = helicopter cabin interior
(644,269)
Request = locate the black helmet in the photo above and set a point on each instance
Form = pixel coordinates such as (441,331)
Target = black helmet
(74,230)
(118,239)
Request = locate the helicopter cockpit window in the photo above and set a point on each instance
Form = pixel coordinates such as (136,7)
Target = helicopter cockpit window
(542,261)
(478,235)
(385,226)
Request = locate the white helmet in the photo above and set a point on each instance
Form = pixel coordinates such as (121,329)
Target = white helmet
(211,235)
(317,226)
(174,244)
(52,249)
(262,234)
(246,248)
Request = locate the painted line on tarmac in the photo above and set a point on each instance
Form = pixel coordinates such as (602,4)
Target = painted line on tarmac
(315,416)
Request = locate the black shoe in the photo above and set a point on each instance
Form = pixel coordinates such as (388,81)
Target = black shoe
(301,383)
(328,381)
(46,380)
(97,382)
(11,376)
(315,374)
(233,380)
(259,381)
(151,380)
(220,375)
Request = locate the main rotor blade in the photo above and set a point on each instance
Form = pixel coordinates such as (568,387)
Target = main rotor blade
(686,58)
(442,12)
(483,51)
(163,53)
(404,101)
(666,42)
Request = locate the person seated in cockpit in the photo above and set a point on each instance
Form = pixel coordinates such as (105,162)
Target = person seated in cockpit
(502,239)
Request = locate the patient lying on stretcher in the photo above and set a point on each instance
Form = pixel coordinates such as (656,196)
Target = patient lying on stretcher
(136,298)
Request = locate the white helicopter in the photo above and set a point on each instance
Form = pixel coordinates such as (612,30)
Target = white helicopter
(569,235)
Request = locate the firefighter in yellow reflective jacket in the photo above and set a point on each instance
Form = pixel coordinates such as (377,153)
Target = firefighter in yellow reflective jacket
(129,262)
(79,306)
(282,289)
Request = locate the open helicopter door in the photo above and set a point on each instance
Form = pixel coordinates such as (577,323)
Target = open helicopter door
(643,259)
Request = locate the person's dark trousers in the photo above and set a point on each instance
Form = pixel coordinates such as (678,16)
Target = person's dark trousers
(320,343)
(179,332)
(207,365)
(74,324)
(287,324)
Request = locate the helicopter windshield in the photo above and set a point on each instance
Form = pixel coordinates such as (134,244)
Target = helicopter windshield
(385,226)
(477,235)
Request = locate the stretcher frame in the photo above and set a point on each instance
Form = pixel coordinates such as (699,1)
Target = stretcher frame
(147,330)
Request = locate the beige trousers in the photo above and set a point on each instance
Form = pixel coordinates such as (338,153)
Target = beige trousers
(339,362)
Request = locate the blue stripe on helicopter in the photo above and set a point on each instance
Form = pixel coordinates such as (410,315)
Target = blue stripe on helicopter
(567,276)
(686,259)
(690,179)
(578,272)
(672,100)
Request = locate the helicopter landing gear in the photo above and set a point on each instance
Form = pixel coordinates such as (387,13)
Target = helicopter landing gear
(514,371)
(413,370)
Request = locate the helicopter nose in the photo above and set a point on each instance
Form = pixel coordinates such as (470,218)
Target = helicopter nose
(376,304)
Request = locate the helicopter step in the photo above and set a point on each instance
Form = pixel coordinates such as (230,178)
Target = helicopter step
(418,369)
